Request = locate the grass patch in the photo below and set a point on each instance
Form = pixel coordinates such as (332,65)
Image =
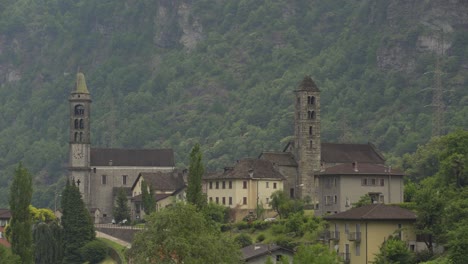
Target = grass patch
(117,247)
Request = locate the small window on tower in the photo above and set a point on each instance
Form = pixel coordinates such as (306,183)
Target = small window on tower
(103,179)
(79,110)
(310,130)
(312,100)
(76,136)
(77,124)
(124,179)
(310,144)
(312,115)
(81,136)
(81,123)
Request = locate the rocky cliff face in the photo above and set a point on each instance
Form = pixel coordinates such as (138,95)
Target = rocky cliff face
(419,27)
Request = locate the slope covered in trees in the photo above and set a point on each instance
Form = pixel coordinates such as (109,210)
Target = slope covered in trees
(172,73)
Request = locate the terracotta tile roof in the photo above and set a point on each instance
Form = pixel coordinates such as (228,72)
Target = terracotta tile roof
(247,169)
(132,157)
(280,158)
(163,181)
(374,212)
(5,213)
(257,250)
(347,153)
(360,169)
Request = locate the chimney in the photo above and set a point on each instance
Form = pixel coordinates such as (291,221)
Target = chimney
(355,166)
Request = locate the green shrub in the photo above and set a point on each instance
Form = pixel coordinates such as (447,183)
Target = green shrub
(242,225)
(260,238)
(261,225)
(243,240)
(94,251)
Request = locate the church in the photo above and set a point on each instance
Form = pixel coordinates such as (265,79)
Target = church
(101,172)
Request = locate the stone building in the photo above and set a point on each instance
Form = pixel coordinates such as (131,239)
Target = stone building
(100,172)
(307,163)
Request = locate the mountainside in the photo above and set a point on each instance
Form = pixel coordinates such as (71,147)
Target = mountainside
(171,73)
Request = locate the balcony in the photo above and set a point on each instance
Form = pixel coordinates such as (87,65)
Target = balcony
(346,257)
(334,235)
(354,236)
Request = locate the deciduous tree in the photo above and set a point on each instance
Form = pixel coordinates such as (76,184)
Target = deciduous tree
(315,254)
(21,224)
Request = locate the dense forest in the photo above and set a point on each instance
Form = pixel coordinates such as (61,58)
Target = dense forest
(222,73)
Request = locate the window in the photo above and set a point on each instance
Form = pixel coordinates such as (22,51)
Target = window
(310,144)
(217,200)
(77,123)
(230,200)
(312,100)
(217,185)
(278,257)
(373,181)
(364,182)
(267,185)
(79,110)
(335,199)
(346,228)
(211,199)
(358,249)
(81,124)
(382,182)
(211,185)
(224,200)
(124,179)
(244,184)
(244,200)
(224,185)
(230,184)
(103,179)
(274,185)
(310,130)
(76,136)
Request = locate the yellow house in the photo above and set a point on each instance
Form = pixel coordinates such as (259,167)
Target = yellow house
(358,233)
(245,186)
(168,188)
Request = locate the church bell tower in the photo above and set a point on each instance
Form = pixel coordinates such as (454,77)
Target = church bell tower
(307,145)
(80,144)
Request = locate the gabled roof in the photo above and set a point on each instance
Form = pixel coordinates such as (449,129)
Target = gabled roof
(132,157)
(360,169)
(5,213)
(257,250)
(248,168)
(162,181)
(279,158)
(343,153)
(374,212)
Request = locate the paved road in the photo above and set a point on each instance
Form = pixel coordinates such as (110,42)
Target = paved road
(120,242)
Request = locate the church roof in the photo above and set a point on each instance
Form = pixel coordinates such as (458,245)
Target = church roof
(162,181)
(80,85)
(132,157)
(279,158)
(357,168)
(347,153)
(374,212)
(247,169)
(308,84)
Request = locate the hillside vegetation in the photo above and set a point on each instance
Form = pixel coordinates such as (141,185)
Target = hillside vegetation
(172,73)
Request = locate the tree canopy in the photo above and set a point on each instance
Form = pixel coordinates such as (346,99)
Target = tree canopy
(121,208)
(195,194)
(182,234)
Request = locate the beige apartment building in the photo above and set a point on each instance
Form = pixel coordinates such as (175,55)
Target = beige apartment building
(245,186)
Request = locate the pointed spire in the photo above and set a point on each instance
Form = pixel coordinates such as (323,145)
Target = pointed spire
(308,84)
(80,86)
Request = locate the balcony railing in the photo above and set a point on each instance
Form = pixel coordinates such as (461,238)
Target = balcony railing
(334,235)
(354,236)
(346,257)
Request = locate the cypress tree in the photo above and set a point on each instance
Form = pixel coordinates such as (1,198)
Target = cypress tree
(147,198)
(121,209)
(194,189)
(77,225)
(21,224)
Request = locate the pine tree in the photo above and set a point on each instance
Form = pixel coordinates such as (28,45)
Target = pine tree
(147,198)
(21,224)
(77,225)
(121,209)
(194,189)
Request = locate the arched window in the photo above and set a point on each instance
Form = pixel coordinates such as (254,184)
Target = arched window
(312,100)
(312,115)
(81,123)
(79,110)
(310,130)
(76,124)
(76,136)
(81,136)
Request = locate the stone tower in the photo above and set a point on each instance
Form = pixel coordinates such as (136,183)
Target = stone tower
(307,137)
(80,143)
